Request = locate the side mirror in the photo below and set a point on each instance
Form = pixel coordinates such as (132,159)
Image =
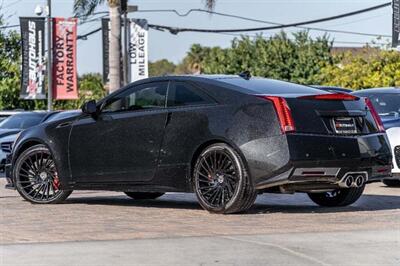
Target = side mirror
(89,108)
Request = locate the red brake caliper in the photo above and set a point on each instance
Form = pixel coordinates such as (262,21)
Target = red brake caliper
(56,182)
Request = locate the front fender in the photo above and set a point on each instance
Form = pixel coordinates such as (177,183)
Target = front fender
(55,139)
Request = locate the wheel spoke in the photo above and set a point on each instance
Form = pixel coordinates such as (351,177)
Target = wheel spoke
(215,161)
(214,196)
(205,168)
(222,162)
(210,169)
(208,190)
(30,185)
(30,167)
(223,197)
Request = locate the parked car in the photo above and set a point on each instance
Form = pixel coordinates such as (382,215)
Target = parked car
(386,102)
(394,139)
(225,138)
(6,113)
(5,149)
(332,89)
(14,124)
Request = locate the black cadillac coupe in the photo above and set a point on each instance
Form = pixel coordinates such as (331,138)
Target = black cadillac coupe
(225,138)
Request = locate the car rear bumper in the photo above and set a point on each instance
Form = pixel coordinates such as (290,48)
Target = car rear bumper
(324,160)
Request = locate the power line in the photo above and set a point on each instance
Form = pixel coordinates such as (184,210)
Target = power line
(9,26)
(84,36)
(260,21)
(334,41)
(176,30)
(10,4)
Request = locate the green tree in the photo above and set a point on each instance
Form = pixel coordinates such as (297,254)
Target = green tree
(298,60)
(90,87)
(373,68)
(161,67)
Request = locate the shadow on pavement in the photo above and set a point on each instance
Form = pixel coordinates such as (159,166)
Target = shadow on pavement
(365,203)
(267,203)
(162,202)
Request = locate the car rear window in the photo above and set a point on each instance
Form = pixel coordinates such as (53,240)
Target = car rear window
(269,86)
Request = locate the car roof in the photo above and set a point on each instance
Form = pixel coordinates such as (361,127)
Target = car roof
(377,90)
(253,85)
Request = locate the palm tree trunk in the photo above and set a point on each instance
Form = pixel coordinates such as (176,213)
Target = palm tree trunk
(115,48)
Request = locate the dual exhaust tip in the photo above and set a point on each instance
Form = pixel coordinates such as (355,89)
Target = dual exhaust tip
(353,181)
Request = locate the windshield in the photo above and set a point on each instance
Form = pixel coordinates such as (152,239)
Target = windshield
(20,121)
(386,104)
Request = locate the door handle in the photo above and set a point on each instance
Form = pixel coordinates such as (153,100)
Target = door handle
(65,124)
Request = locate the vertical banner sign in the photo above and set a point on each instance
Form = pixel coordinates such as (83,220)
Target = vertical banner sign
(105,31)
(32,80)
(396,23)
(64,59)
(138,56)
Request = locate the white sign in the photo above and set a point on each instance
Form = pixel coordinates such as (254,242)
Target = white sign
(138,56)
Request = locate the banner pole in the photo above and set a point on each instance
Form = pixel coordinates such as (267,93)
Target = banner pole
(49,59)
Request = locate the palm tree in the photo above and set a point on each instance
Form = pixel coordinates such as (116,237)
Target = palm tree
(86,7)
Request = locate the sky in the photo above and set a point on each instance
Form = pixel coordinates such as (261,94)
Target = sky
(174,47)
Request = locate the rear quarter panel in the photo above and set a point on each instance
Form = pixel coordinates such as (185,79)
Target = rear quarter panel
(246,122)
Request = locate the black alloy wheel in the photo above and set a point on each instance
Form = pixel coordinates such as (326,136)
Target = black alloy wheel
(337,198)
(36,177)
(144,195)
(221,181)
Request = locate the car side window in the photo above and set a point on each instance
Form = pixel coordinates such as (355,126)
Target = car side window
(185,94)
(142,97)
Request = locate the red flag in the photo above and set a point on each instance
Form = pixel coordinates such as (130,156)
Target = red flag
(64,59)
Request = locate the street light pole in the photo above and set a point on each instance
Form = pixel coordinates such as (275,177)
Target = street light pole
(49,58)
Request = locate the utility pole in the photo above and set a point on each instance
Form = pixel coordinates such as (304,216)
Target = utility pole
(49,59)
(126,44)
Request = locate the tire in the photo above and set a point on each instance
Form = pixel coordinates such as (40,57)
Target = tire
(36,178)
(144,195)
(221,181)
(338,198)
(391,182)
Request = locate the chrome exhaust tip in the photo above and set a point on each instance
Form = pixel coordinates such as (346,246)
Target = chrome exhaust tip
(349,181)
(353,179)
(359,181)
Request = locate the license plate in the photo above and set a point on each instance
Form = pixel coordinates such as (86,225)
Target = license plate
(344,125)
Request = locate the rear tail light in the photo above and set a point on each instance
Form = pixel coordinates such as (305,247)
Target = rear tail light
(283,111)
(330,97)
(375,115)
